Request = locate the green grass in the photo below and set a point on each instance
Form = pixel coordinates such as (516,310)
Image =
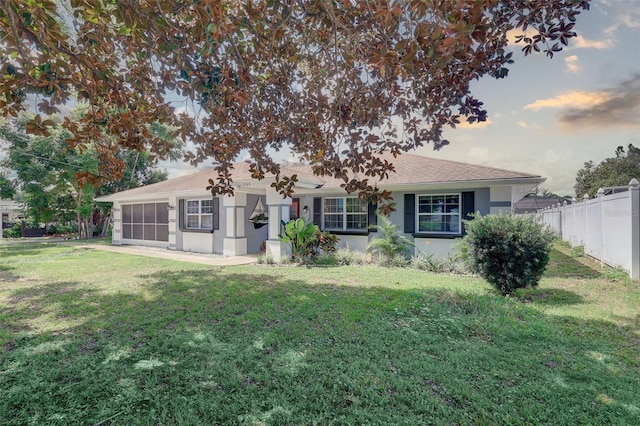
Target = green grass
(92,337)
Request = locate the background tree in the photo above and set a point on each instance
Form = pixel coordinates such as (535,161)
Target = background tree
(336,82)
(58,184)
(614,171)
(7,190)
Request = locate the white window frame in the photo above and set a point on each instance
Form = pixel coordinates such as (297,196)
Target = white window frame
(344,214)
(200,213)
(443,213)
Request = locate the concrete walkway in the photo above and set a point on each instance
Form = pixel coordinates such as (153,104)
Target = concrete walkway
(181,256)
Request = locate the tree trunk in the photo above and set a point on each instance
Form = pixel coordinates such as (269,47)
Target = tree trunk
(91,226)
(78,215)
(105,225)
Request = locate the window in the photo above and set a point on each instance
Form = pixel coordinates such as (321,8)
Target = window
(345,214)
(145,221)
(199,214)
(439,213)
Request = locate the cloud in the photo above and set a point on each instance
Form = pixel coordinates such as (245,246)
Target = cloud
(630,18)
(617,106)
(620,107)
(464,124)
(579,42)
(573,64)
(526,125)
(570,99)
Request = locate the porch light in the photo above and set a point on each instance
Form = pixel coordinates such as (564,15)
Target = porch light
(305,212)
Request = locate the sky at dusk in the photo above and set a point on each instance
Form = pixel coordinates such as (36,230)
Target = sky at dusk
(550,116)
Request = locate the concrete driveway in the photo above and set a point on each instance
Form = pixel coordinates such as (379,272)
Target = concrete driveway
(205,259)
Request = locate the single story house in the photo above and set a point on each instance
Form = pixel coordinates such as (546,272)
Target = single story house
(535,203)
(432,197)
(9,213)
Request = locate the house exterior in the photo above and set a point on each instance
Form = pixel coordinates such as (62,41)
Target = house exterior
(9,213)
(535,203)
(431,197)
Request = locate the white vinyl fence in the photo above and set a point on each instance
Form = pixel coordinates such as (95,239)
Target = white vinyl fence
(607,226)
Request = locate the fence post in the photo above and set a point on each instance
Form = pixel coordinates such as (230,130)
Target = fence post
(586,223)
(634,204)
(573,233)
(600,194)
(564,219)
(559,220)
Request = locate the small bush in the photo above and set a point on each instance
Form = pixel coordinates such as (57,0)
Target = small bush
(616,274)
(398,260)
(389,242)
(14,232)
(429,263)
(306,240)
(577,251)
(59,229)
(440,265)
(266,259)
(325,242)
(510,252)
(346,256)
(325,259)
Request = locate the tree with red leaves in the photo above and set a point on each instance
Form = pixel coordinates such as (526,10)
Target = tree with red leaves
(335,81)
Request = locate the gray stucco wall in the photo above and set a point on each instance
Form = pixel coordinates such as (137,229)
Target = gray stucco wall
(255,237)
(436,245)
(482,200)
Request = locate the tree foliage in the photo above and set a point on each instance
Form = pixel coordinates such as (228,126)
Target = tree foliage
(614,171)
(57,183)
(336,82)
(7,189)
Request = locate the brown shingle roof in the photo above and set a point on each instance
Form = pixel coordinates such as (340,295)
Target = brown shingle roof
(413,169)
(410,170)
(197,180)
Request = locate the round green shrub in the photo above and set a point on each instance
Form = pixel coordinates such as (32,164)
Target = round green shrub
(14,232)
(510,252)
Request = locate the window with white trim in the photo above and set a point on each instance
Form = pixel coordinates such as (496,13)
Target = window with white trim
(199,214)
(345,214)
(439,214)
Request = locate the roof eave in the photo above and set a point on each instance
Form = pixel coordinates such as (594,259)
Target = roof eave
(310,187)
(435,186)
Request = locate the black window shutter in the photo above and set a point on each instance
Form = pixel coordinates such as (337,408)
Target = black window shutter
(317,211)
(468,206)
(181,214)
(372,217)
(409,213)
(216,213)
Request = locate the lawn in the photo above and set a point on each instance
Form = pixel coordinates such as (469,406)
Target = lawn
(92,337)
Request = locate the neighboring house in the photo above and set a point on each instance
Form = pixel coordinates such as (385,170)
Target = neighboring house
(9,213)
(432,197)
(535,203)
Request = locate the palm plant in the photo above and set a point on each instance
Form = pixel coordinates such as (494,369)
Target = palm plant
(389,242)
(301,237)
